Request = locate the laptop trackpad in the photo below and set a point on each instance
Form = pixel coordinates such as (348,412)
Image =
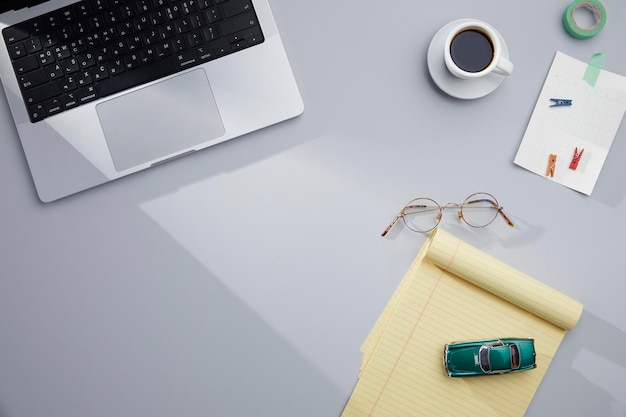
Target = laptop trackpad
(162,119)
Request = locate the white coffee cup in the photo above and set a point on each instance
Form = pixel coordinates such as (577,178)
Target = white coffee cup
(473,49)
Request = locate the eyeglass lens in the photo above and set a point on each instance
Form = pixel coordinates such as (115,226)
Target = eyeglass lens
(422,214)
(479,209)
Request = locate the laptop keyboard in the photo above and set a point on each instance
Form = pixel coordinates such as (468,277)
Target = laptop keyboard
(95,48)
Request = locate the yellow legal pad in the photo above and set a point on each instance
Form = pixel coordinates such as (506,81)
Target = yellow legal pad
(455,292)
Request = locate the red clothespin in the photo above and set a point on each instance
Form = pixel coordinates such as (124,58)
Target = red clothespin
(574,164)
(551,165)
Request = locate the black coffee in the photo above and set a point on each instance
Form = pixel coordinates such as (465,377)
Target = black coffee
(471,50)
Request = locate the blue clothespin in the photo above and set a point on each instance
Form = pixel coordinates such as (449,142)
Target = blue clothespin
(561,102)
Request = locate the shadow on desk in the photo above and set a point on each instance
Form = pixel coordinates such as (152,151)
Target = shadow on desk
(588,374)
(609,189)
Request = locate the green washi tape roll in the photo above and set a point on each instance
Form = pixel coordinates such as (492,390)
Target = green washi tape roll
(599,15)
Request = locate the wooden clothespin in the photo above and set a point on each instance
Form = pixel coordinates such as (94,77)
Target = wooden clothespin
(551,165)
(574,164)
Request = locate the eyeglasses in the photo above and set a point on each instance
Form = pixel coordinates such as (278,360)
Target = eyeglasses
(424,214)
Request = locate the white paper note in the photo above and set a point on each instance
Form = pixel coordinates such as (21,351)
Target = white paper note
(590,123)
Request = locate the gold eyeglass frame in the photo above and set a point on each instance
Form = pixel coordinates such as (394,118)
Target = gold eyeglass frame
(493,201)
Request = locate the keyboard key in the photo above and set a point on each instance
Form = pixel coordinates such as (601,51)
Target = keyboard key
(204,53)
(172,12)
(253,36)
(49,39)
(236,7)
(128,11)
(17,50)
(107,35)
(163,49)
(147,55)
(115,66)
(33,79)
(26,64)
(143,6)
(100,73)
(86,60)
(238,23)
(210,34)
(87,94)
(67,15)
(54,71)
(112,17)
(157,17)
(186,59)
(221,47)
(98,5)
(70,65)
(36,112)
(53,106)
(35,27)
(68,84)
(189,7)
(52,21)
(81,28)
(33,45)
(197,21)
(194,39)
(204,4)
(102,54)
(131,61)
(62,52)
(182,26)
(124,29)
(84,78)
(65,34)
(150,37)
(133,43)
(41,93)
(46,57)
(237,45)
(69,101)
(166,32)
(213,15)
(82,10)
(179,44)
(15,34)
(78,46)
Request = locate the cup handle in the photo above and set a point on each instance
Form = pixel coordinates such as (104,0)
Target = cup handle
(504,67)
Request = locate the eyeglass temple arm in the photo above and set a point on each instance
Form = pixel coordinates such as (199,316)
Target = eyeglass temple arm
(392,223)
(510,223)
(500,210)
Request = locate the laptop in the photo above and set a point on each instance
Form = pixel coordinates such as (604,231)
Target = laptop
(100,89)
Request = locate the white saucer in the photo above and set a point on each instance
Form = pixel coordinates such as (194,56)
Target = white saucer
(448,83)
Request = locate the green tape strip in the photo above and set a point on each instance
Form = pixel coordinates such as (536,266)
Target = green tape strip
(594,67)
(570,25)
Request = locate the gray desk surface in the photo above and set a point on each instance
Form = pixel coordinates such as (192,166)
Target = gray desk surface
(241,281)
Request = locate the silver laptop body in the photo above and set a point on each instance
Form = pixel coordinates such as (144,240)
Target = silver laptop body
(129,131)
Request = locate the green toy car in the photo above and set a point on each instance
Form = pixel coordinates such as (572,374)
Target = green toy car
(489,357)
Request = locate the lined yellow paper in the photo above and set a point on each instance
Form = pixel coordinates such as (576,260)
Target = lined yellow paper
(455,292)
